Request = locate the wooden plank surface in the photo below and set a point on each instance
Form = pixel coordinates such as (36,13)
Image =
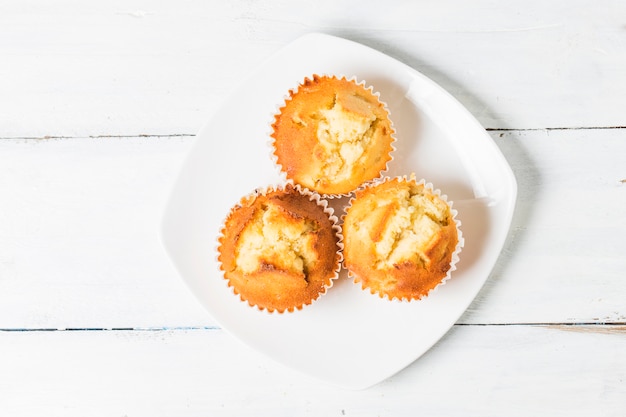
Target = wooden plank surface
(565,257)
(140,67)
(80,234)
(473,371)
(79,244)
(99,102)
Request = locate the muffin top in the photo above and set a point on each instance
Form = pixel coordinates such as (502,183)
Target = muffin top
(399,238)
(332,135)
(279,250)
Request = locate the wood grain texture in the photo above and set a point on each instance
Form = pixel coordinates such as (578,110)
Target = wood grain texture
(568,233)
(99,102)
(473,371)
(79,234)
(139,67)
(79,243)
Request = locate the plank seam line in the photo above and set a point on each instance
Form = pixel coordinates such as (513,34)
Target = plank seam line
(195,328)
(108,329)
(189,135)
(543,324)
(51,137)
(537,129)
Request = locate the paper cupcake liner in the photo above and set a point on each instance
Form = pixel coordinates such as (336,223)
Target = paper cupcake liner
(312,196)
(282,171)
(455,254)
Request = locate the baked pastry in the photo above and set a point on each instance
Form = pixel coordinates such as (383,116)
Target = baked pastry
(399,238)
(280,249)
(332,135)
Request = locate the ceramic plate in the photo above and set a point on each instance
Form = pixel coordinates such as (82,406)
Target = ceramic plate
(347,337)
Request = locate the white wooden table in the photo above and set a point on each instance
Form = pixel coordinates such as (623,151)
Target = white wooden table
(99,105)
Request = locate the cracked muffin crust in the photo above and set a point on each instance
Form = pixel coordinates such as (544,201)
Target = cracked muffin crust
(332,135)
(399,239)
(279,250)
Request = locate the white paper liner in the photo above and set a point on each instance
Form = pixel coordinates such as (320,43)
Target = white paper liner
(313,196)
(287,97)
(455,254)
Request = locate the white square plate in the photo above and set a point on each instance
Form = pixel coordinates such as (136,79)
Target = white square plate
(348,336)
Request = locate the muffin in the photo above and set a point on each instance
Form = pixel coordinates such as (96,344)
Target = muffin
(400,238)
(332,135)
(280,249)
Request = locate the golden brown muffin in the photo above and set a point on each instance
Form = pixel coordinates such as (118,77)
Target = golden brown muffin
(332,135)
(399,238)
(279,250)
